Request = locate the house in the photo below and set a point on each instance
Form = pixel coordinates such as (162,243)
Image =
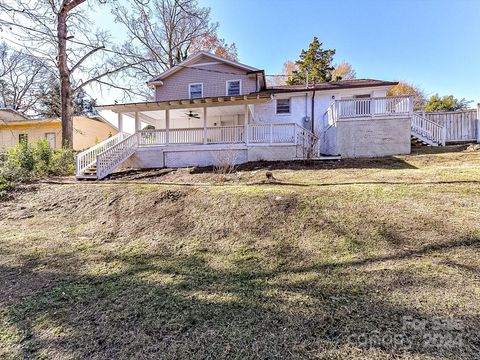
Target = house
(87,131)
(208,109)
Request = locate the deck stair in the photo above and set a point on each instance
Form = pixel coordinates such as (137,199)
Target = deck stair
(426,132)
(98,161)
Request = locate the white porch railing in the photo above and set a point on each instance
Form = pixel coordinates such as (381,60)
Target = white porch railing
(370,107)
(428,130)
(272,133)
(225,134)
(108,155)
(257,134)
(108,160)
(87,158)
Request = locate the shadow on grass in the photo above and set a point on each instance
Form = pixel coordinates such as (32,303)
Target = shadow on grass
(390,162)
(420,150)
(161,306)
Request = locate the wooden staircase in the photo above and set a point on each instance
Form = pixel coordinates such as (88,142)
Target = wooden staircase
(100,160)
(426,132)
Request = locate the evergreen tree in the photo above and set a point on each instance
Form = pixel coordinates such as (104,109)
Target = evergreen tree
(446,103)
(51,105)
(317,61)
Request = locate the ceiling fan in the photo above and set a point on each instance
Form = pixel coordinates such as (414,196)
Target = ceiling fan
(193,115)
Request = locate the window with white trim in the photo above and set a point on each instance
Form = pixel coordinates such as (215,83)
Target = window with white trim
(283,106)
(195,90)
(234,87)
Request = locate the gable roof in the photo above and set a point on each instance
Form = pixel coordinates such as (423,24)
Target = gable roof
(191,60)
(9,115)
(20,119)
(334,85)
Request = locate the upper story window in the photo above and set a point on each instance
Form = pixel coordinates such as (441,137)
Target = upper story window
(195,90)
(283,106)
(234,87)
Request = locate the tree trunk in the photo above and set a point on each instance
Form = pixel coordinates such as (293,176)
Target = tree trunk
(65,83)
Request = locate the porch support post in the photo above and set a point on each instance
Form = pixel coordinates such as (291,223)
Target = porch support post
(478,123)
(167,126)
(138,123)
(245,131)
(205,125)
(120,122)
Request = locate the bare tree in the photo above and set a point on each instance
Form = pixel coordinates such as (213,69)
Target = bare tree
(281,79)
(22,77)
(165,32)
(404,88)
(343,71)
(60,33)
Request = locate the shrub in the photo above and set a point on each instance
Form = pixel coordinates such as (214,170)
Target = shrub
(32,161)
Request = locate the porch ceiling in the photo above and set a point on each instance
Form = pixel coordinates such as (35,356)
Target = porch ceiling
(187,103)
(153,117)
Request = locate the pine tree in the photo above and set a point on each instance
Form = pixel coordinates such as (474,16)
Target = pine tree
(51,104)
(317,61)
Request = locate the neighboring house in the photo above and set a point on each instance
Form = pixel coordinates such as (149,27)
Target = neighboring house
(87,131)
(208,109)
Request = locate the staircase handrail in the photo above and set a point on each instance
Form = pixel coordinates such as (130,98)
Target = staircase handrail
(87,158)
(109,159)
(331,114)
(428,129)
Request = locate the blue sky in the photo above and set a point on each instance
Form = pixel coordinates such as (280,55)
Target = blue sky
(434,44)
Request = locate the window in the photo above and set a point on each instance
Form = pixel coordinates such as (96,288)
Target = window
(196,91)
(283,106)
(50,137)
(23,138)
(234,87)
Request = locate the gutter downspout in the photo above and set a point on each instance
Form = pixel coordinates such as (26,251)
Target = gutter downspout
(313,111)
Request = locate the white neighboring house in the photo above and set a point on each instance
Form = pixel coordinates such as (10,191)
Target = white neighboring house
(208,109)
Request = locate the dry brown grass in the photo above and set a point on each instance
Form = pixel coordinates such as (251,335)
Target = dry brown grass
(326,265)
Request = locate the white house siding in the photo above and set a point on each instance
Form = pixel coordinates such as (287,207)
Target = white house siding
(216,157)
(272,153)
(176,86)
(145,158)
(301,106)
(373,137)
(349,138)
(186,156)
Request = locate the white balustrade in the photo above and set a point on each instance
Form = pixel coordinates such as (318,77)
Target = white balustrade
(109,159)
(225,134)
(428,129)
(272,133)
(87,158)
(370,107)
(112,152)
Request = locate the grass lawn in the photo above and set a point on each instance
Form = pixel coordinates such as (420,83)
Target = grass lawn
(360,259)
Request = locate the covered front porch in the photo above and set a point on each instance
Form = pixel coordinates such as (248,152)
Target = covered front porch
(194,132)
(221,120)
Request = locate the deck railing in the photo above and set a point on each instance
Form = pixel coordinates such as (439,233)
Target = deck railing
(225,134)
(115,155)
(272,133)
(87,158)
(257,134)
(371,107)
(107,155)
(429,130)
